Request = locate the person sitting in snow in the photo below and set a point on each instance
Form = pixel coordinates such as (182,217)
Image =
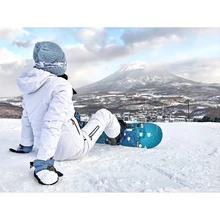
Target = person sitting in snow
(48,122)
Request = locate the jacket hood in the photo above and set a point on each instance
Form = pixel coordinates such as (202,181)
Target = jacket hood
(32,80)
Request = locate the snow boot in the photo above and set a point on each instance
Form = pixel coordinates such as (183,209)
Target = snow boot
(116,140)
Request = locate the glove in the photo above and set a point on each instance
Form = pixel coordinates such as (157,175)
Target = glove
(45,172)
(22,149)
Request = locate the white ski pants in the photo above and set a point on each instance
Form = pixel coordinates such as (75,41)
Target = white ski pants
(75,142)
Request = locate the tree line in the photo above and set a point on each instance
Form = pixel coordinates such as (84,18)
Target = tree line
(207,119)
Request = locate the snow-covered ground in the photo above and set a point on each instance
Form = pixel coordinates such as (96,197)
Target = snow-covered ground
(187,160)
(179,179)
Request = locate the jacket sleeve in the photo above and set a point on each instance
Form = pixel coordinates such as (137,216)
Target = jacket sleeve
(54,120)
(27,137)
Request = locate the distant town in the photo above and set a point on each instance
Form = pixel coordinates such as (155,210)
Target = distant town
(145,107)
(133,106)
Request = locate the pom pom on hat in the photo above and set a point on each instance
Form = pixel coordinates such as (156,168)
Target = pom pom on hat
(49,56)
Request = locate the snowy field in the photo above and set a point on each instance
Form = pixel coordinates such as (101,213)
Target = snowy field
(187,160)
(160,183)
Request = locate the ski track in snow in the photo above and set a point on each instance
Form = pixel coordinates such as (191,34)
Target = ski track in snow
(187,160)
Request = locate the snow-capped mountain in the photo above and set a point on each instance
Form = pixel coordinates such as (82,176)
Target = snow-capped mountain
(137,76)
(144,86)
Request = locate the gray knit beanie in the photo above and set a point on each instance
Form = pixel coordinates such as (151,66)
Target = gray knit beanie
(49,56)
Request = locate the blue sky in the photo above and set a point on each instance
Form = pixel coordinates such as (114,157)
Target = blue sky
(97,49)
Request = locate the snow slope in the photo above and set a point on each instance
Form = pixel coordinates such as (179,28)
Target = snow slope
(187,160)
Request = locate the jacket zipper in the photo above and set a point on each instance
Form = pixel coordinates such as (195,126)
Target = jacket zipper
(75,125)
(94,131)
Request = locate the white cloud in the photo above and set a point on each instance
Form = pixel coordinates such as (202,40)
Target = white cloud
(94,39)
(153,43)
(81,75)
(24,44)
(7,56)
(131,36)
(9,73)
(28,43)
(96,45)
(12,33)
(78,53)
(205,70)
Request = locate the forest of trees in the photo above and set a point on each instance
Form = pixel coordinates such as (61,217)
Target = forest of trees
(208,119)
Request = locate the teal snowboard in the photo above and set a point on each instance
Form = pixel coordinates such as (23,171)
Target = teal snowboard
(138,134)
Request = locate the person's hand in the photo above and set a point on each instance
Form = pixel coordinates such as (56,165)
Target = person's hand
(45,172)
(22,149)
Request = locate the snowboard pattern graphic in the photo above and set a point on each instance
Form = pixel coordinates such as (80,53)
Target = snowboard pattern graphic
(138,134)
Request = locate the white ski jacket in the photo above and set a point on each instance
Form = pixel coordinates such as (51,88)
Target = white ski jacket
(47,108)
